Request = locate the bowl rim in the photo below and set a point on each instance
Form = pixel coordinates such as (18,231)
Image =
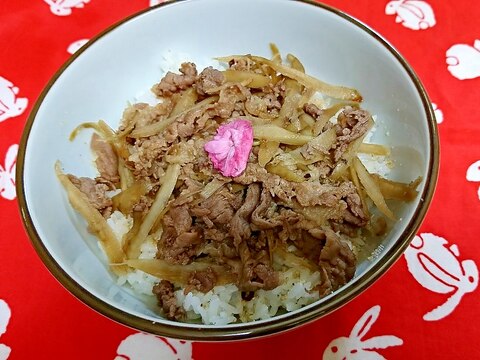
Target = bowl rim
(248,330)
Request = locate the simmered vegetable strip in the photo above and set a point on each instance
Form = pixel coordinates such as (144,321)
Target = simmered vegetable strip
(360,190)
(125,200)
(289,107)
(283,257)
(157,127)
(342,166)
(284,172)
(211,188)
(374,149)
(276,57)
(328,113)
(336,92)
(307,120)
(371,188)
(316,149)
(279,134)
(131,234)
(163,195)
(97,224)
(295,63)
(252,80)
(185,102)
(396,190)
(126,177)
(267,151)
(101,127)
(180,274)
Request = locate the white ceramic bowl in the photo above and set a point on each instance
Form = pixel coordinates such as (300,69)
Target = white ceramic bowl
(125,60)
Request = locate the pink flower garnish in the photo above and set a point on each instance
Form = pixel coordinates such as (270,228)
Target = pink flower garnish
(230,148)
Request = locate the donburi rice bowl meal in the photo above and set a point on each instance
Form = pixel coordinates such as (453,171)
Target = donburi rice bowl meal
(242,193)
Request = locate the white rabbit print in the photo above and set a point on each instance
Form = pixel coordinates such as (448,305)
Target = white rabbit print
(76,45)
(64,7)
(437,267)
(10,104)
(413,14)
(5,314)
(355,346)
(464,60)
(438,113)
(149,347)
(473,174)
(7,174)
(156,2)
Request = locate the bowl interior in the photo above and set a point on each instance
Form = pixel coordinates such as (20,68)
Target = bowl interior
(122,64)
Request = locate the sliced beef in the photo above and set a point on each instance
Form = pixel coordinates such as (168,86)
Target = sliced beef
(164,291)
(179,218)
(264,216)
(145,155)
(107,161)
(143,114)
(351,124)
(179,248)
(277,186)
(306,193)
(172,83)
(96,192)
(218,208)
(214,234)
(240,224)
(180,242)
(203,281)
(187,124)
(209,80)
(337,259)
(310,243)
(256,105)
(315,193)
(312,110)
(274,95)
(331,195)
(242,64)
(257,272)
(231,99)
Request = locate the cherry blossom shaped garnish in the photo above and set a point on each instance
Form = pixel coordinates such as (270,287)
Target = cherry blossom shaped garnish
(230,148)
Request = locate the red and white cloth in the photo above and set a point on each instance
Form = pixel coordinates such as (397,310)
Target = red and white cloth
(424,309)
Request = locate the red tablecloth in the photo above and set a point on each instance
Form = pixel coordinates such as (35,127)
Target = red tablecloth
(427,311)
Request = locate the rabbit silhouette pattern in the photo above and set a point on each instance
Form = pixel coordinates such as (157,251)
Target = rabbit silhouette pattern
(76,45)
(5,314)
(156,2)
(413,14)
(436,266)
(7,174)
(464,61)
(149,347)
(10,104)
(438,113)
(473,174)
(355,346)
(64,7)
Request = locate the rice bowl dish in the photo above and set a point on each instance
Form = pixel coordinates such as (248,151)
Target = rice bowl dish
(239,194)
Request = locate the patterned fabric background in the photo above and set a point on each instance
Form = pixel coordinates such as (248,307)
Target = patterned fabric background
(417,310)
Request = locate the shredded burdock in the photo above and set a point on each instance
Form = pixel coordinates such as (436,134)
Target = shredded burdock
(238,175)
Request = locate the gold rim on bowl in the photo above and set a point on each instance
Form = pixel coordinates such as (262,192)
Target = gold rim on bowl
(252,329)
